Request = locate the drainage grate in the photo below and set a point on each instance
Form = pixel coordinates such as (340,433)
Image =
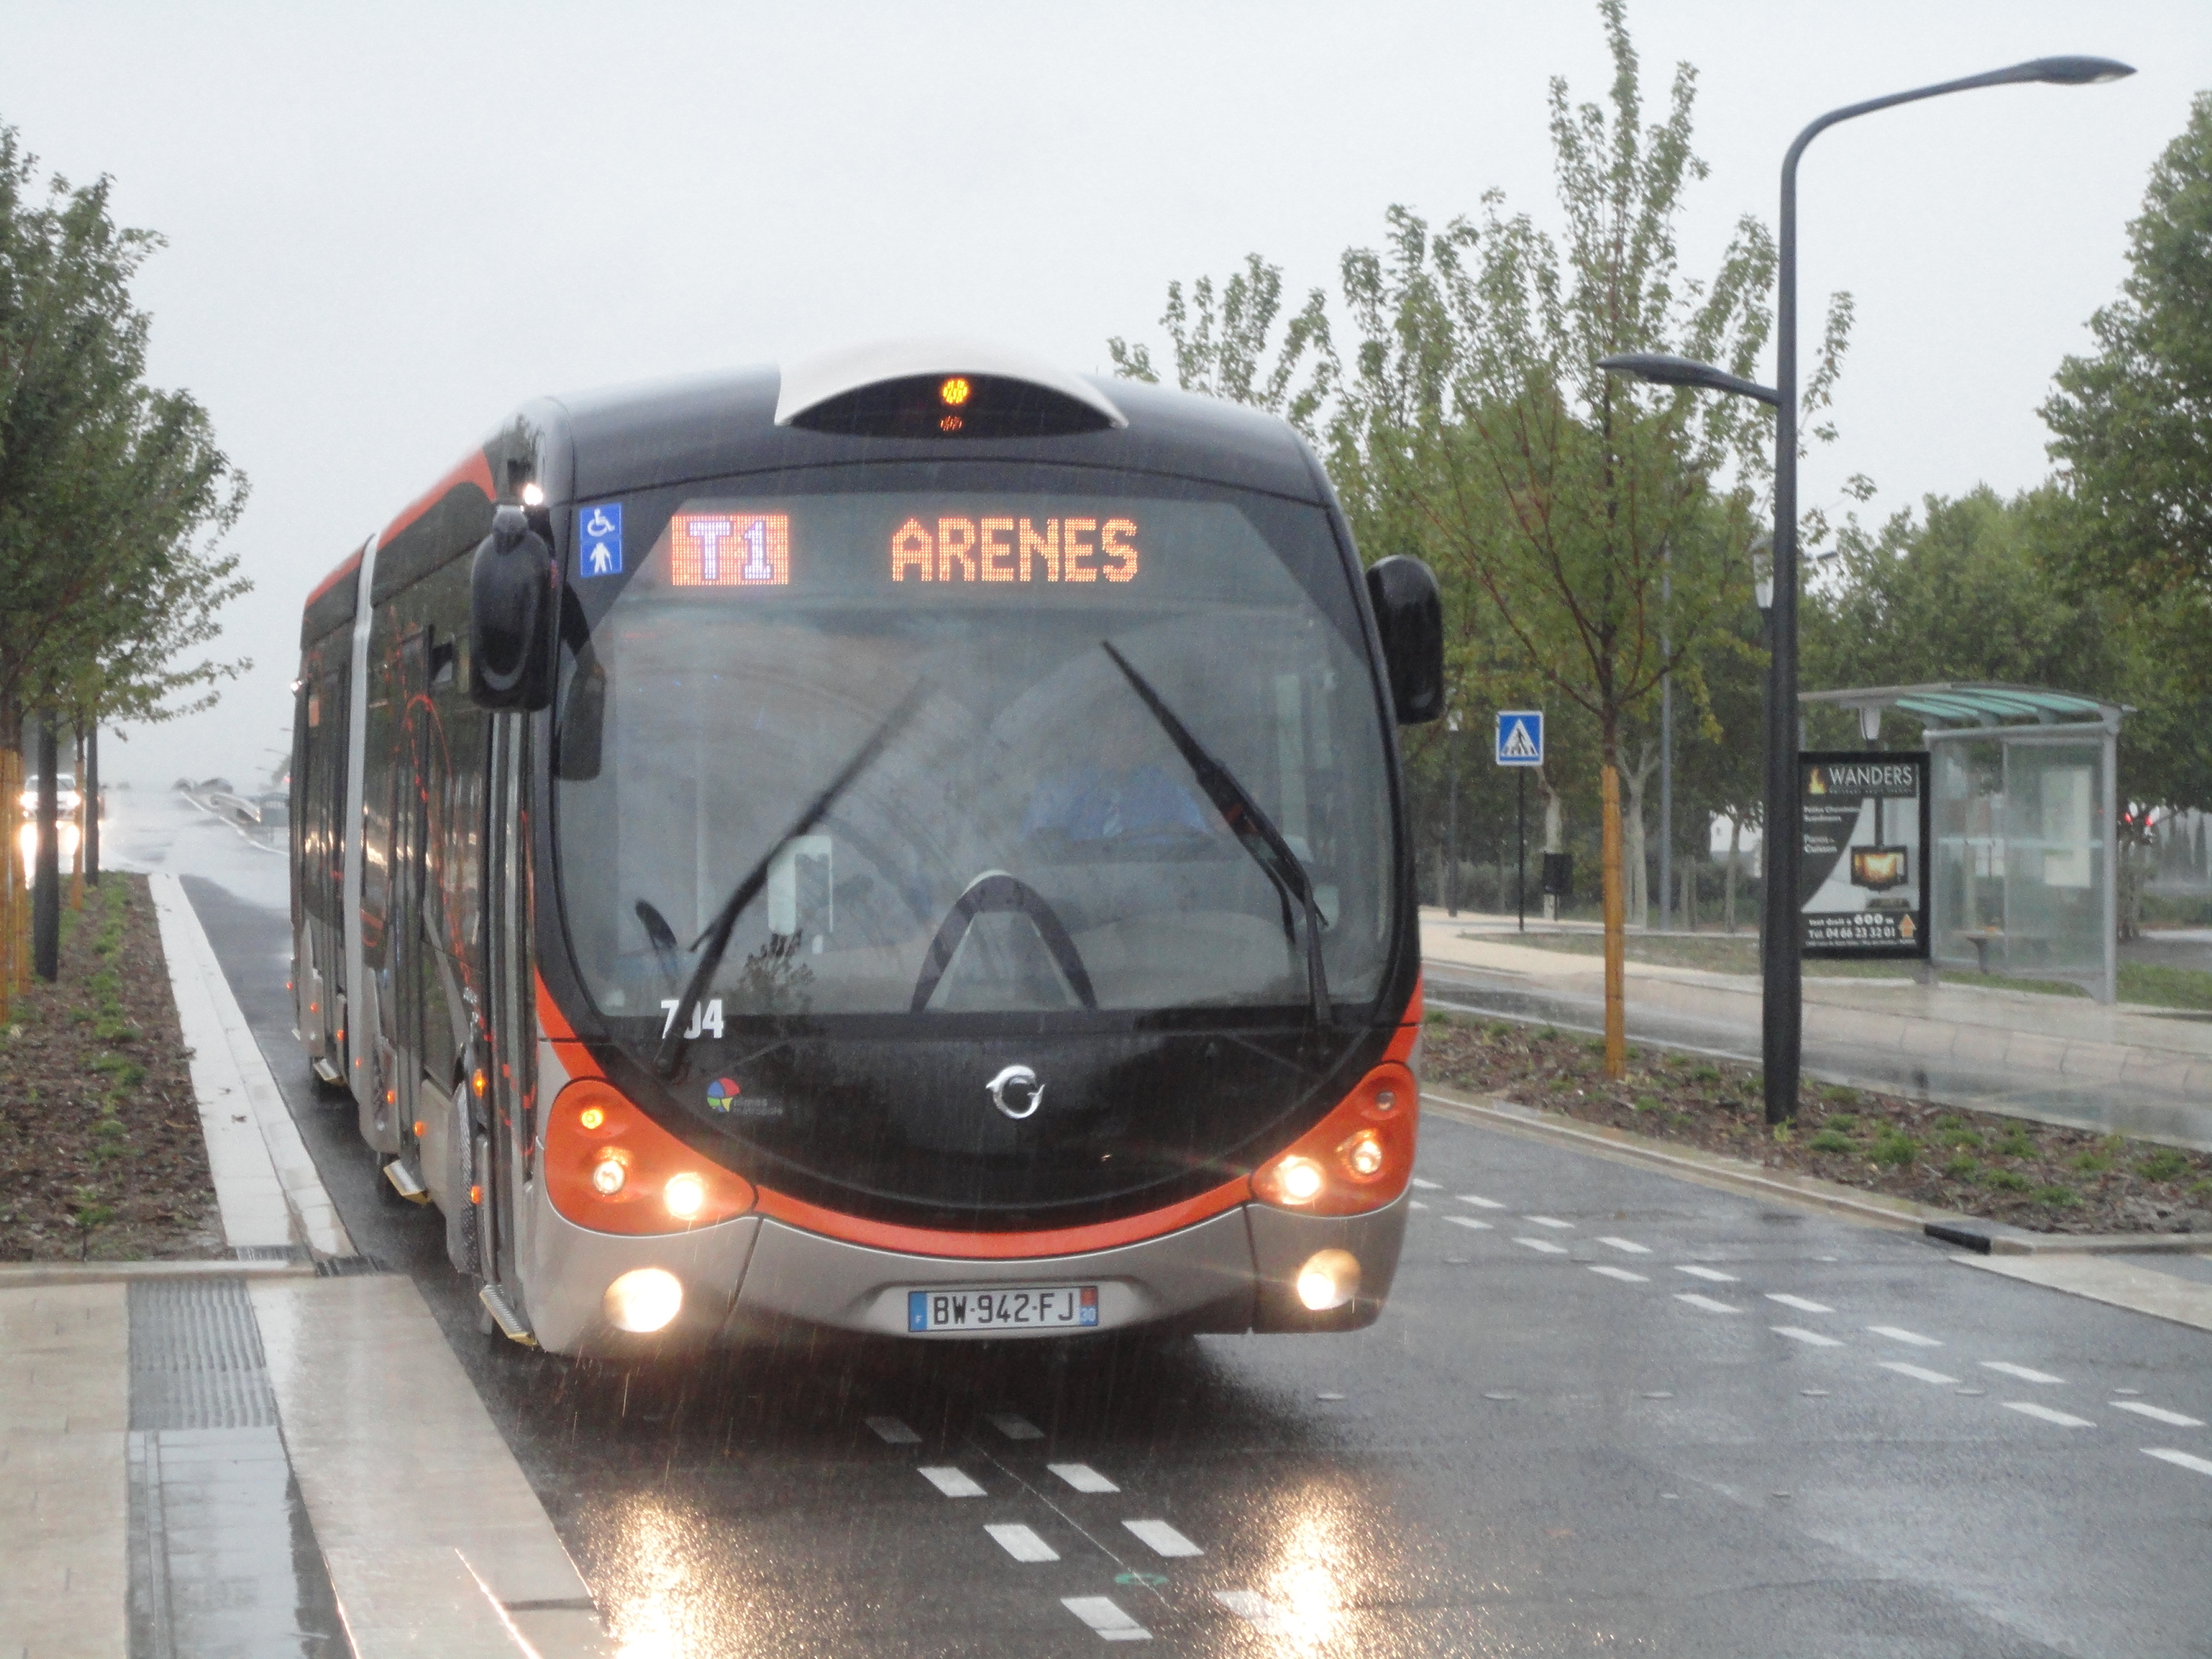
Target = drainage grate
(196,1359)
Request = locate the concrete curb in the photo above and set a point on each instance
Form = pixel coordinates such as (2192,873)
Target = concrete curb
(1984,1238)
(266,1184)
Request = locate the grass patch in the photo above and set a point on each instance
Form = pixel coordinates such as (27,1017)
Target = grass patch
(1829,1141)
(2164,1165)
(1895,1149)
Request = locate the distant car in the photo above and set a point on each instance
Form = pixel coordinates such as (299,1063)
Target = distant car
(66,802)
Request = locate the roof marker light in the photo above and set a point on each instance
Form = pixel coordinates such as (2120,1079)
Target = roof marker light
(954,393)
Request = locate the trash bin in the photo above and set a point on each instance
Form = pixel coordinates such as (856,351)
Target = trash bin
(1558,876)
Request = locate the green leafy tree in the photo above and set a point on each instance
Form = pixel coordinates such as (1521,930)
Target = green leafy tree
(2132,425)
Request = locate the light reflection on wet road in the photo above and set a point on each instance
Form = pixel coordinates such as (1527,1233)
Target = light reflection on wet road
(1524,1456)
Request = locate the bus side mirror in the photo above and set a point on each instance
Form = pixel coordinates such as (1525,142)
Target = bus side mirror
(1409,614)
(511,609)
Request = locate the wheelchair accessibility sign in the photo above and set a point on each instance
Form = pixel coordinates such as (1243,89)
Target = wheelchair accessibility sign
(1520,737)
(599,540)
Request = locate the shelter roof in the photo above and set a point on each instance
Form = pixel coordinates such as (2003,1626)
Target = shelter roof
(1962,704)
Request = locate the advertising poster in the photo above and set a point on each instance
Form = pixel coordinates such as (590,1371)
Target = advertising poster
(1863,887)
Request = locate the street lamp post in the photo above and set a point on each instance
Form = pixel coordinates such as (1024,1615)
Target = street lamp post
(1783,985)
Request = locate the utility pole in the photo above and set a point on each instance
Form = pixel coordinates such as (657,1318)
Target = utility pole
(1666,738)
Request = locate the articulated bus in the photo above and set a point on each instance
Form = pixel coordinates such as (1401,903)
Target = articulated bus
(910,843)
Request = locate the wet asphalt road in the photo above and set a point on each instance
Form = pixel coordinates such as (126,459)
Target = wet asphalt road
(1606,1412)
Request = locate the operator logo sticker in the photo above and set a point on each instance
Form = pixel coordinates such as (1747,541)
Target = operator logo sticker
(722,1094)
(599,539)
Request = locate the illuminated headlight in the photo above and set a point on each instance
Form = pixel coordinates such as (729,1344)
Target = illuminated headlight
(1302,1180)
(1330,1280)
(644,1299)
(1363,1155)
(686,1195)
(607,1176)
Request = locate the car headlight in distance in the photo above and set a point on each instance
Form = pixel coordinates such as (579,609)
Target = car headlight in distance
(1330,1280)
(644,1300)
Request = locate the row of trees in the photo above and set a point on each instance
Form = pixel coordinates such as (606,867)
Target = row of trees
(1592,536)
(113,497)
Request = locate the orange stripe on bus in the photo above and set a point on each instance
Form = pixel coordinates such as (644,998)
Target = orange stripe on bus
(474,470)
(1005,1247)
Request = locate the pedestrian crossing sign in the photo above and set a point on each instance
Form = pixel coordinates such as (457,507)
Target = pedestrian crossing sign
(1520,737)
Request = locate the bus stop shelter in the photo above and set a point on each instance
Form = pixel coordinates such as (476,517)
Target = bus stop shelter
(2025,820)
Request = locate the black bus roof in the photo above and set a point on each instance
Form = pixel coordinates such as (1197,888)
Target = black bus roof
(604,442)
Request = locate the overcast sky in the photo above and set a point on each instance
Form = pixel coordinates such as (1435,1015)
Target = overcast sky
(388,224)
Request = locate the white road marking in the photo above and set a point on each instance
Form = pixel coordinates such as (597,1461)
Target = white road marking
(1704,1302)
(1082,1477)
(1469,1221)
(2157,1413)
(1426,1186)
(1626,1246)
(1255,1610)
(1101,1615)
(2181,1459)
(1543,1244)
(892,1433)
(1415,1203)
(1549,1221)
(2025,1373)
(1713,1274)
(1620,1273)
(1919,1373)
(1799,1303)
(2063,1419)
(1015,1426)
(952,1482)
(1897,1334)
(1021,1543)
(1163,1539)
(1799,1333)
(1479,1202)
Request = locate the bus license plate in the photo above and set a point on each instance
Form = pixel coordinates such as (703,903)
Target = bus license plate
(1008,1308)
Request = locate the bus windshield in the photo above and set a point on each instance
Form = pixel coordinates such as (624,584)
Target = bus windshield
(1030,840)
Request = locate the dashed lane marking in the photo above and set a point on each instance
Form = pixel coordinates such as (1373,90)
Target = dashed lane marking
(1428,1186)
(1799,1333)
(1626,1246)
(1897,1334)
(1101,1615)
(2063,1419)
(2025,1373)
(1620,1273)
(1255,1610)
(1015,1426)
(892,1433)
(1163,1539)
(1543,1244)
(1798,1303)
(1469,1221)
(1415,1203)
(2180,1459)
(1713,1274)
(1704,1302)
(2157,1413)
(1021,1543)
(1549,1221)
(1919,1373)
(952,1482)
(1081,1476)
(1479,1202)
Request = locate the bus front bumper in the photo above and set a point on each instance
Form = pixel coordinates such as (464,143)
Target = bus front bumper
(749,1278)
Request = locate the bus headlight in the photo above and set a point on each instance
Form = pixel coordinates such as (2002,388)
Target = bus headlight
(607,1176)
(1330,1280)
(1363,1156)
(1357,1158)
(685,1195)
(1299,1179)
(644,1299)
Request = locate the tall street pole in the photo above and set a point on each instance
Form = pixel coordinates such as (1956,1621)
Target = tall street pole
(46,898)
(1666,741)
(1782,842)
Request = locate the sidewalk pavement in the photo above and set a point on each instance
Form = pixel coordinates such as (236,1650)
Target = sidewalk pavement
(166,1428)
(2152,1067)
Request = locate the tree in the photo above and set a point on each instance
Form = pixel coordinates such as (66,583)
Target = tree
(1221,350)
(2132,425)
(112,494)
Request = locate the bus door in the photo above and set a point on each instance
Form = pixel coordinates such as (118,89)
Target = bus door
(508,1118)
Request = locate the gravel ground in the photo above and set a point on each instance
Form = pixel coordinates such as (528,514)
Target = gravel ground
(102,1156)
(2036,1175)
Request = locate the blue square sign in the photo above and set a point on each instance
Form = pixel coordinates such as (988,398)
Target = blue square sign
(1520,737)
(598,539)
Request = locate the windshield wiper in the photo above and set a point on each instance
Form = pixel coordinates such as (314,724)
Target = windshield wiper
(1254,830)
(716,936)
